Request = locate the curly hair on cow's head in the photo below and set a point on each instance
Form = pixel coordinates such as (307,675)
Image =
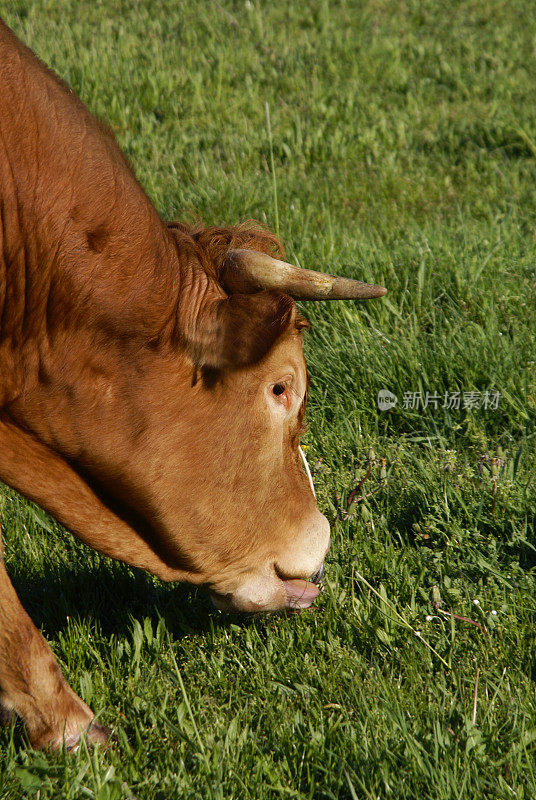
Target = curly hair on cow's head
(214,241)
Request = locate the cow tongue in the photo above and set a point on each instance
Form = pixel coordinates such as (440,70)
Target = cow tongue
(300,594)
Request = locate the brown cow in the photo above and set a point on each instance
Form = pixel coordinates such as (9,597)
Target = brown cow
(152,384)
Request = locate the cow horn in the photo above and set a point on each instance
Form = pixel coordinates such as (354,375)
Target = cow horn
(248,271)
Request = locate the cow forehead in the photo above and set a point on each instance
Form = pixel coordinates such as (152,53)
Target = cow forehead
(286,356)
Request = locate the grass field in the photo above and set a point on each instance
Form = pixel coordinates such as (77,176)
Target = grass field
(402,151)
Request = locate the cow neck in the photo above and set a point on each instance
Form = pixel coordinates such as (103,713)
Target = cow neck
(77,231)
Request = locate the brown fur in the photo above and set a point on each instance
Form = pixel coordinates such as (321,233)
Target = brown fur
(135,394)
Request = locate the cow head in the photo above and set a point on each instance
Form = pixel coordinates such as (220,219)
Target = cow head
(184,417)
(240,505)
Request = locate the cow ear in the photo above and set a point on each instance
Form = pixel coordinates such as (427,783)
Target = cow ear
(239,330)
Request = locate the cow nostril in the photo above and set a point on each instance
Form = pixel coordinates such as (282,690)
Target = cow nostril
(316,578)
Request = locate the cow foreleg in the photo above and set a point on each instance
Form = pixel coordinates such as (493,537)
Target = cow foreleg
(31,683)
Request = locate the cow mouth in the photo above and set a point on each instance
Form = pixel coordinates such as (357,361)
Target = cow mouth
(300,594)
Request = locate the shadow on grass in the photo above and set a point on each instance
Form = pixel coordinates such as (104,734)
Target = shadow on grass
(113,595)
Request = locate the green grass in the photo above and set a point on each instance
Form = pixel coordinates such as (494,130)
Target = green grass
(404,146)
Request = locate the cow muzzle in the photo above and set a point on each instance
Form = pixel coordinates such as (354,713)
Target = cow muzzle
(268,590)
(253,597)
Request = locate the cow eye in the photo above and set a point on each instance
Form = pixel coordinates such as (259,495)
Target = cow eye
(281,392)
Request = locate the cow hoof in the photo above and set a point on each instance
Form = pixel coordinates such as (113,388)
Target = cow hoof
(94,735)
